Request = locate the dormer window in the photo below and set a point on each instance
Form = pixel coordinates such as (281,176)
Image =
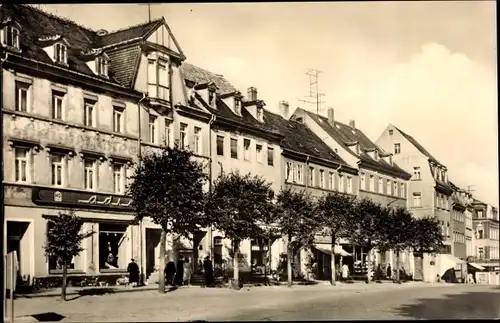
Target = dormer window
(101,64)
(237,106)
(10,37)
(260,116)
(60,53)
(375,154)
(158,84)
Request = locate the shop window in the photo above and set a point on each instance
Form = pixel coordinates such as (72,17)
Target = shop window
(55,266)
(113,244)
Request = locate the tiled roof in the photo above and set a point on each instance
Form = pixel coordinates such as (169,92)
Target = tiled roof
(198,75)
(418,146)
(346,134)
(37,24)
(299,138)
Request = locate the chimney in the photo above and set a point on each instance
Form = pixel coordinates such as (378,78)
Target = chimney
(284,109)
(352,124)
(252,94)
(331,114)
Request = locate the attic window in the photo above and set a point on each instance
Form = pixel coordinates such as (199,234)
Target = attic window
(390,132)
(60,53)
(338,127)
(10,37)
(101,66)
(375,153)
(237,106)
(353,131)
(260,117)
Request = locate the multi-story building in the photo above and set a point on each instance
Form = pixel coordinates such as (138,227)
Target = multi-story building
(429,194)
(77,104)
(461,222)
(486,229)
(380,178)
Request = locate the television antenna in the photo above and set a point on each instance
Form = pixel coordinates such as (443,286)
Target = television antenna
(314,94)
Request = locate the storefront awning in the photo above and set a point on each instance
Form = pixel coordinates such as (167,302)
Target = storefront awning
(449,261)
(477,266)
(338,250)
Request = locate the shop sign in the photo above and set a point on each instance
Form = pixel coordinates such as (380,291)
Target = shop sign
(80,199)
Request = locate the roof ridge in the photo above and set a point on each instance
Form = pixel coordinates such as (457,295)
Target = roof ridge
(53,16)
(134,26)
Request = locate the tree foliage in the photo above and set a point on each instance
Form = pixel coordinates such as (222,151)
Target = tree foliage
(427,236)
(168,187)
(396,233)
(369,220)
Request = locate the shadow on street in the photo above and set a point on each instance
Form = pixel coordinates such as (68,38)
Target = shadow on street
(472,305)
(92,292)
(48,317)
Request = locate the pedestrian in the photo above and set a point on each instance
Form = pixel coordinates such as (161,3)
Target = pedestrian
(133,273)
(170,273)
(389,271)
(179,274)
(209,272)
(345,272)
(187,272)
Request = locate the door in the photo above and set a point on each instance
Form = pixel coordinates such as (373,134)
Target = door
(152,242)
(419,264)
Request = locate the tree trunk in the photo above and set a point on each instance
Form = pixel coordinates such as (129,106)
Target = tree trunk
(236,265)
(332,262)
(289,259)
(64,277)
(397,266)
(161,271)
(369,265)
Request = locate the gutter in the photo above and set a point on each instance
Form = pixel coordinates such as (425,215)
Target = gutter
(2,261)
(212,119)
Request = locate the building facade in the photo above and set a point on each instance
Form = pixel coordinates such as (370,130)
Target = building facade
(486,229)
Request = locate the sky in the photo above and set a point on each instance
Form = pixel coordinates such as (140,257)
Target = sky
(428,68)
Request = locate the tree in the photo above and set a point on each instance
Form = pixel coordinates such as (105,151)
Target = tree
(168,187)
(427,236)
(236,205)
(295,220)
(335,214)
(64,241)
(398,233)
(367,228)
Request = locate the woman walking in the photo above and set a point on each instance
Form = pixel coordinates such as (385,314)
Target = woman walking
(187,272)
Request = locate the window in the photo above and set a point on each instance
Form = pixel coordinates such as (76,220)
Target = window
(397,149)
(22,90)
(259,114)
(60,53)
(391,132)
(288,171)
(402,192)
(88,114)
(56,267)
(395,189)
(311,176)
(101,65)
(152,129)
(113,246)
(57,105)
(380,185)
(270,156)
(183,136)
(11,37)
(362,182)
(118,178)
(168,132)
(331,180)
(117,119)
(158,78)
(480,214)
(349,184)
(416,173)
(57,163)
(480,234)
(162,79)
(220,145)
(341,183)
(246,146)
(237,106)
(372,183)
(417,200)
(321,178)
(197,140)
(21,165)
(234,148)
(89,174)
(388,187)
(300,174)
(258,149)
(294,173)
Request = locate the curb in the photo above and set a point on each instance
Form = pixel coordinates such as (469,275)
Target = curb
(84,291)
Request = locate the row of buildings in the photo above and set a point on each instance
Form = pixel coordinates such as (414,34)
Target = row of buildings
(80,107)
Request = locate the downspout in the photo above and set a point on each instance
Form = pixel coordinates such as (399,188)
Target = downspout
(139,155)
(210,173)
(3,281)
(307,170)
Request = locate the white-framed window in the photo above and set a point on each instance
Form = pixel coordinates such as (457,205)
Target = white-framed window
(397,149)
(288,171)
(234,148)
(294,173)
(341,183)
(270,156)
(246,149)
(362,181)
(118,119)
(22,96)
(416,173)
(312,182)
(118,178)
(300,174)
(395,188)
(331,180)
(321,178)
(60,53)
(480,214)
(183,135)
(11,37)
(349,184)
(237,106)
(57,162)
(417,199)
(101,64)
(197,140)
(220,145)
(402,192)
(260,116)
(388,187)
(152,129)
(372,183)
(57,105)
(380,185)
(168,132)
(22,165)
(158,84)
(89,113)
(90,172)
(258,150)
